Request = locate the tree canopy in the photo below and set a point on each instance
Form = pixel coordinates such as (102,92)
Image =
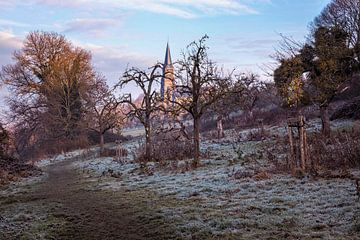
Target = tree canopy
(50,80)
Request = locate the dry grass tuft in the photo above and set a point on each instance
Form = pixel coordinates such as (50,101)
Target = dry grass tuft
(341,150)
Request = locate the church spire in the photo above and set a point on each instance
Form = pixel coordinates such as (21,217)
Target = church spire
(167,81)
(167,61)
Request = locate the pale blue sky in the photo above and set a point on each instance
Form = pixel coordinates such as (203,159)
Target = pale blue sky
(243,33)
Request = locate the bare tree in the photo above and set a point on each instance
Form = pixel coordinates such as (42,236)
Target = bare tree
(104,110)
(221,109)
(227,104)
(146,109)
(287,48)
(252,88)
(200,85)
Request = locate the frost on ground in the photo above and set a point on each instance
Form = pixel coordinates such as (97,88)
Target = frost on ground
(21,215)
(212,201)
(209,200)
(80,153)
(225,198)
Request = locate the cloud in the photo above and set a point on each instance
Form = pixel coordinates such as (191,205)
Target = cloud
(253,52)
(240,43)
(9,23)
(178,8)
(113,61)
(261,48)
(215,6)
(6,4)
(96,27)
(8,43)
(116,59)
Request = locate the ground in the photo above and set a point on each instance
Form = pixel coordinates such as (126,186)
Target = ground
(68,205)
(83,196)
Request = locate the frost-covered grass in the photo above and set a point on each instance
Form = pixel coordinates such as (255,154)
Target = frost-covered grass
(134,132)
(210,202)
(26,219)
(221,205)
(66,156)
(21,186)
(209,199)
(314,125)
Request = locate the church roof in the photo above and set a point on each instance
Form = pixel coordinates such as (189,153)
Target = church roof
(167,56)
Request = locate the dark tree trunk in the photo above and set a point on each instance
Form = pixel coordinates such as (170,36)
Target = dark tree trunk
(101,142)
(325,120)
(147,142)
(251,115)
(196,141)
(220,127)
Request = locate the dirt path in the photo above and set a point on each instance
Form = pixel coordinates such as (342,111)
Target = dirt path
(74,210)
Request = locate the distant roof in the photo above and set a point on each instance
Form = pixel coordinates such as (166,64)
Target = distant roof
(167,56)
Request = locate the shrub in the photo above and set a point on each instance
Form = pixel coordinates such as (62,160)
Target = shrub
(166,146)
(342,150)
(4,141)
(350,110)
(12,169)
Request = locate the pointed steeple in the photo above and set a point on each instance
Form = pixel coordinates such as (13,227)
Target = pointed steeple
(167,61)
(167,81)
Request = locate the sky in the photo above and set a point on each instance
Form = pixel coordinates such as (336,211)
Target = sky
(134,33)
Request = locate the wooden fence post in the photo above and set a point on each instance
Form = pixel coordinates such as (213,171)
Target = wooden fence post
(302,142)
(292,154)
(298,145)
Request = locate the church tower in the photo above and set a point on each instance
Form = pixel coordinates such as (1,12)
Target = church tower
(168,79)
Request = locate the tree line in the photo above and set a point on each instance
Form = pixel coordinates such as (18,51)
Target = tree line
(57,97)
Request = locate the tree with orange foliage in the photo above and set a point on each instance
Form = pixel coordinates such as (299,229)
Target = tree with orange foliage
(48,82)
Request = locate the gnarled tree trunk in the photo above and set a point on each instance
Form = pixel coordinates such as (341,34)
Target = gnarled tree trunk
(220,127)
(147,142)
(101,142)
(196,141)
(325,120)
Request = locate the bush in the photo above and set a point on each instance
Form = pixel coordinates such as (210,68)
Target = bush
(167,146)
(11,169)
(340,151)
(257,135)
(94,137)
(350,110)
(4,142)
